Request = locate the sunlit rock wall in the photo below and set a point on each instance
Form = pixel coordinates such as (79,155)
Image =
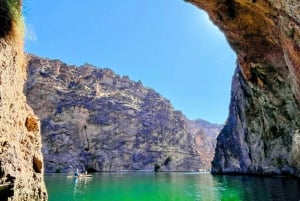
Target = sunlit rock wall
(21,165)
(94,119)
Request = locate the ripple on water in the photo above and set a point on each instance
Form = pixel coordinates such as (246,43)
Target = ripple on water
(148,186)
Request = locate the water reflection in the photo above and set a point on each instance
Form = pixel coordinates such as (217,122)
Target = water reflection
(190,186)
(80,186)
(257,188)
(171,187)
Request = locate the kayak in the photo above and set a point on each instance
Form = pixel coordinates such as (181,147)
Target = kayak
(81,176)
(85,175)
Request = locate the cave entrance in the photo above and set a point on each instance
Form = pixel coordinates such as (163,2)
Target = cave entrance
(171,46)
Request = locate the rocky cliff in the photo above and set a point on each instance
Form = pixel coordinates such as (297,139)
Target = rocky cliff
(94,119)
(205,134)
(262,133)
(21,159)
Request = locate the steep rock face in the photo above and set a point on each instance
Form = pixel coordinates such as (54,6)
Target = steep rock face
(205,134)
(261,135)
(210,129)
(20,143)
(94,119)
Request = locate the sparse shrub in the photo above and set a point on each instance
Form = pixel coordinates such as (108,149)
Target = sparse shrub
(15,9)
(12,27)
(11,17)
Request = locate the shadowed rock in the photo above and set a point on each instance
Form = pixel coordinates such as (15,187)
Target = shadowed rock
(261,135)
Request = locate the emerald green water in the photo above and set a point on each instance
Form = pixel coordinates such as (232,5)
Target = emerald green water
(170,187)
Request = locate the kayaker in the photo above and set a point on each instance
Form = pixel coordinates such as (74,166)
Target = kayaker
(76,173)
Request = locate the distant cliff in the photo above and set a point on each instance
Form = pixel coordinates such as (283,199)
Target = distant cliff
(94,119)
(205,135)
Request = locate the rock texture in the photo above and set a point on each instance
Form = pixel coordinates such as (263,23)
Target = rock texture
(20,143)
(94,119)
(262,132)
(205,134)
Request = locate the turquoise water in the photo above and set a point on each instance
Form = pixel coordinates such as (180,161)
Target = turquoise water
(170,187)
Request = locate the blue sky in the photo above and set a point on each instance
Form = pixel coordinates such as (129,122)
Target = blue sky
(170,45)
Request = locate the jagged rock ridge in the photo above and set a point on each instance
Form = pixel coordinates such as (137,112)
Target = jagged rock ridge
(94,119)
(262,132)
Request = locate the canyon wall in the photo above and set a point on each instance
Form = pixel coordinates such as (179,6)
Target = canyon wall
(93,119)
(21,166)
(205,135)
(262,133)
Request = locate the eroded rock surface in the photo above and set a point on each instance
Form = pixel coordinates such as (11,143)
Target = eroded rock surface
(94,119)
(261,135)
(21,159)
(205,134)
